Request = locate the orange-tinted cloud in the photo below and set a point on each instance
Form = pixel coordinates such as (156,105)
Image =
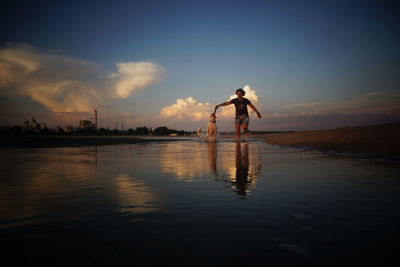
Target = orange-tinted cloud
(67,84)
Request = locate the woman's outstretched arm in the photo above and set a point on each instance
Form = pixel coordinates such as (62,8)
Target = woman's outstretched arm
(255,109)
(222,104)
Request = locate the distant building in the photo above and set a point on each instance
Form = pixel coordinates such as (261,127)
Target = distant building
(35,126)
(86,124)
(69,129)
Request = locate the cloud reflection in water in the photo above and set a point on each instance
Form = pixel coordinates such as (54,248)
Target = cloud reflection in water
(134,195)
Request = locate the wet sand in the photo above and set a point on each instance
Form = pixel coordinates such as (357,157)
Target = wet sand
(39,141)
(374,140)
(196,204)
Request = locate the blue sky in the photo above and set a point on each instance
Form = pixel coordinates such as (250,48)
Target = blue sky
(293,54)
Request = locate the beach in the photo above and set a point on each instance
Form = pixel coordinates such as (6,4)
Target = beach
(371,141)
(374,140)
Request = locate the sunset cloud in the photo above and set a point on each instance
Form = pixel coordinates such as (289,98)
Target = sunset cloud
(67,84)
(188,108)
(134,76)
(191,109)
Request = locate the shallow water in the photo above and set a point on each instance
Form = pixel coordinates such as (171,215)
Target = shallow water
(195,203)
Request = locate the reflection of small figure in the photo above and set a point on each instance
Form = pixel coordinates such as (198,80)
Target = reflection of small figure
(199,132)
(212,156)
(212,127)
(242,169)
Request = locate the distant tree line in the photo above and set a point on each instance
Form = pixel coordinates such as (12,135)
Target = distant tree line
(142,130)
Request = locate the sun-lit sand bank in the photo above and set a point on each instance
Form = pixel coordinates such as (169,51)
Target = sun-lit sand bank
(380,139)
(36,141)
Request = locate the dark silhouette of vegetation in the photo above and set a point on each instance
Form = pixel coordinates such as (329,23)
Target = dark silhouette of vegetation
(86,131)
(70,130)
(141,131)
(102,131)
(163,130)
(45,131)
(16,129)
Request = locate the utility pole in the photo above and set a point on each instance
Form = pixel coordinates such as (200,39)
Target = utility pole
(95,118)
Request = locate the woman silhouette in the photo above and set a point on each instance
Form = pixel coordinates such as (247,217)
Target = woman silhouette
(242,114)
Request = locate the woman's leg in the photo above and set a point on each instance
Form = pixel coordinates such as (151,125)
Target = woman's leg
(237,125)
(245,128)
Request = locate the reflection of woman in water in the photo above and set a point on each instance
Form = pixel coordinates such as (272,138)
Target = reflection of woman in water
(243,176)
(242,169)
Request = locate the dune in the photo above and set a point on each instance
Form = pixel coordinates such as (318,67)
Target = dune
(382,140)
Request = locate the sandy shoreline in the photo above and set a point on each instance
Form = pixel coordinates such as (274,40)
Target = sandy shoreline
(370,141)
(375,140)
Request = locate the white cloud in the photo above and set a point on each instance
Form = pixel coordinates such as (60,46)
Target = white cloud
(67,84)
(192,109)
(250,94)
(133,76)
(188,108)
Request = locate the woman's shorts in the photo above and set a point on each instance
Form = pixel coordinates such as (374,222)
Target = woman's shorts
(240,120)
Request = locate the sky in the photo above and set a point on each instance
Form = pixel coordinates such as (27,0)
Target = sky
(304,64)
